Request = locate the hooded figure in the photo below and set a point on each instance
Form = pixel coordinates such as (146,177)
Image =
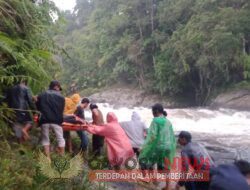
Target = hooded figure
(159,145)
(71,104)
(118,145)
(135,130)
(68,106)
(76,98)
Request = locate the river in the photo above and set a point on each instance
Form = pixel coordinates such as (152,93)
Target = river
(225,133)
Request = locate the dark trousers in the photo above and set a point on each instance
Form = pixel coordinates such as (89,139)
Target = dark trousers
(84,140)
(83,137)
(136,151)
(97,144)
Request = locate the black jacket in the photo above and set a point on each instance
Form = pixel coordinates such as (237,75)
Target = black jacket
(19,97)
(79,112)
(228,177)
(51,105)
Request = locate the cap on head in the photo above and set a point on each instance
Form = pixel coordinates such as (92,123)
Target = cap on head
(55,83)
(186,135)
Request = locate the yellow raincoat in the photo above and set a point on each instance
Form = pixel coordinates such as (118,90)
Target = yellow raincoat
(71,104)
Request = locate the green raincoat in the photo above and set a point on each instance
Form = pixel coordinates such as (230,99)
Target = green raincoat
(160,143)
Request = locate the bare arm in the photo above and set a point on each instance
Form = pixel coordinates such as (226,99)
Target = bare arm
(95,115)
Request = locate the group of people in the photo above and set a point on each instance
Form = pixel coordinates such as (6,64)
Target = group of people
(152,146)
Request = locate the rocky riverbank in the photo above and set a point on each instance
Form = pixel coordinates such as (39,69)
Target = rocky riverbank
(124,96)
(235,99)
(133,97)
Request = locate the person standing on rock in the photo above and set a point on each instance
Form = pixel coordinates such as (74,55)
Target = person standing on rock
(51,106)
(135,130)
(97,140)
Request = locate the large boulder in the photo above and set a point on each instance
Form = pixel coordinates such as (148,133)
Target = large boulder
(131,97)
(119,97)
(236,99)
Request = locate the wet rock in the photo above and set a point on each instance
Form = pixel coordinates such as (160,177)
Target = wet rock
(132,97)
(225,148)
(237,99)
(126,97)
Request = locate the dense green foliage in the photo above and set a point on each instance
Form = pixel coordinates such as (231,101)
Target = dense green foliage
(26,48)
(26,52)
(190,48)
(20,171)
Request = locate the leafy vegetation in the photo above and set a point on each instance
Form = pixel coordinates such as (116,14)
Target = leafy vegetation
(20,171)
(26,48)
(27,51)
(191,48)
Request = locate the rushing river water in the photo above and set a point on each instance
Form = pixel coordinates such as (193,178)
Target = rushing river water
(224,132)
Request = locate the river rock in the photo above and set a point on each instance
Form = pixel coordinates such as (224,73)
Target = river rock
(118,97)
(131,97)
(236,99)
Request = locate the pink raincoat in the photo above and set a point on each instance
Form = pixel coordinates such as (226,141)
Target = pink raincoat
(118,145)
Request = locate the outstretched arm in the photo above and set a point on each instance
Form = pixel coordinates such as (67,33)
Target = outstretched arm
(98,130)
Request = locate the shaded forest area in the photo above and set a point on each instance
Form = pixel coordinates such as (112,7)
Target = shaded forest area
(191,48)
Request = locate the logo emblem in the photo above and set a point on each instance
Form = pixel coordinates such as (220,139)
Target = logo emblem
(60,167)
